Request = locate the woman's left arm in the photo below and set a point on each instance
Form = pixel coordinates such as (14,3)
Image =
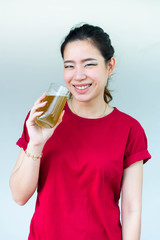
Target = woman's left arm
(131,201)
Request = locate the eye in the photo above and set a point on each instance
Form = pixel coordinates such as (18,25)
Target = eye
(68,66)
(90,64)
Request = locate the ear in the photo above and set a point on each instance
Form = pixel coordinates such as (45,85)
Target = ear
(111,65)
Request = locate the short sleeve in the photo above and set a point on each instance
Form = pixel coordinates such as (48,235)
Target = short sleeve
(24,139)
(136,147)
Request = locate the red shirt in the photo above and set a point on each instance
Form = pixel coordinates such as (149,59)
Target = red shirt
(80,176)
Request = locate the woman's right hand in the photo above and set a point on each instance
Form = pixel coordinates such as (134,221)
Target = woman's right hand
(39,135)
(25,175)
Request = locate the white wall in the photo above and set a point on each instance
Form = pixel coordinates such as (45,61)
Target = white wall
(30,37)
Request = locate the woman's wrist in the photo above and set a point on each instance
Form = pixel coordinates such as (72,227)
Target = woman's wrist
(33,149)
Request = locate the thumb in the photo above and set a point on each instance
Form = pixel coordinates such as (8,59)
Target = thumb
(60,118)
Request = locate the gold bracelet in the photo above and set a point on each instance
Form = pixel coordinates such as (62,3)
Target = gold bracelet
(34,158)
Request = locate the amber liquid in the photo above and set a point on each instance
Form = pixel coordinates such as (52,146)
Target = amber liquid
(51,111)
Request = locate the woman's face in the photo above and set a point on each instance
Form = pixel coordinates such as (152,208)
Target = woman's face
(85,70)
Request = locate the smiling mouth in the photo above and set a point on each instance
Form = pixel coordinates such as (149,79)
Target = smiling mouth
(82,87)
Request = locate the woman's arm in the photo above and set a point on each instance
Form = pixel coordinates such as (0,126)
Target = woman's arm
(24,177)
(131,201)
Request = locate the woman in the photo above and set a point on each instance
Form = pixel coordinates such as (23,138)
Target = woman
(91,156)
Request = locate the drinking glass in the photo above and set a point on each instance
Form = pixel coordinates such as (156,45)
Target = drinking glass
(56,97)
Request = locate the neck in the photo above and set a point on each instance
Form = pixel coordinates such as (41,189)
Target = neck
(92,109)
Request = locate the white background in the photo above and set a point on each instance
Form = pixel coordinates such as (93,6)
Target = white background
(30,36)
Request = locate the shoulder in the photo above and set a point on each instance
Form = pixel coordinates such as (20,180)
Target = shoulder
(126,118)
(127,121)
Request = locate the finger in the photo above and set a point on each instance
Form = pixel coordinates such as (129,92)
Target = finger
(37,107)
(40,99)
(32,118)
(62,114)
(60,118)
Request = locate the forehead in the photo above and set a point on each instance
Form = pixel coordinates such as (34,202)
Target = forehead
(81,49)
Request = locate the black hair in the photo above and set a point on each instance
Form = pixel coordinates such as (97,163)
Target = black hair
(99,38)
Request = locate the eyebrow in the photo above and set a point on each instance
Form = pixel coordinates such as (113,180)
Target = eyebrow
(83,60)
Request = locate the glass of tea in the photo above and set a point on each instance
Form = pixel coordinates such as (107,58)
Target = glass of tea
(56,97)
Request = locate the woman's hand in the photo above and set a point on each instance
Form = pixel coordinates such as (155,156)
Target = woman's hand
(25,175)
(39,135)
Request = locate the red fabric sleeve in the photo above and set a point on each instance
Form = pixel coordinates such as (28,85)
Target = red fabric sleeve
(136,148)
(24,139)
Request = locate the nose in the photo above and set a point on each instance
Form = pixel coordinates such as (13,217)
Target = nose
(79,73)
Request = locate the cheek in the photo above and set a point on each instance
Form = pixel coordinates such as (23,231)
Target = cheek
(92,74)
(100,79)
(95,75)
(67,76)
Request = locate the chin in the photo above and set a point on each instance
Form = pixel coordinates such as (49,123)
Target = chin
(82,98)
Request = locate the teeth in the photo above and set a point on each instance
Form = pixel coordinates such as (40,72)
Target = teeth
(82,87)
